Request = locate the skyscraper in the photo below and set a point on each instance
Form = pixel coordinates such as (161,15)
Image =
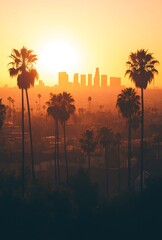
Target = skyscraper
(97,78)
(89,80)
(76,79)
(63,79)
(83,80)
(103,80)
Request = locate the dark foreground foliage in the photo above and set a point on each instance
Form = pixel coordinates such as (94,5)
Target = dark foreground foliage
(78,212)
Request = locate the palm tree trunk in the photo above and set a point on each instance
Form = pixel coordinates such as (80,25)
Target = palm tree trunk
(65,154)
(129,154)
(142,136)
(23,154)
(31,139)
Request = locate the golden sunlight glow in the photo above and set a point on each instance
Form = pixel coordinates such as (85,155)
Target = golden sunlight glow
(57,56)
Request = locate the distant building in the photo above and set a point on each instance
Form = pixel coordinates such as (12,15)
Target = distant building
(83,80)
(103,80)
(115,82)
(97,78)
(89,80)
(76,80)
(63,79)
(41,83)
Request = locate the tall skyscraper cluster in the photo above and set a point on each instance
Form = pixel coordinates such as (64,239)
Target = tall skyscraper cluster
(89,80)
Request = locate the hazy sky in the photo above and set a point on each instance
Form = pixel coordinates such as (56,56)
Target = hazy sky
(101,32)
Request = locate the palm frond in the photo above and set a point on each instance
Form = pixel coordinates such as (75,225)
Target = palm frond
(15,53)
(32,58)
(13,72)
(23,52)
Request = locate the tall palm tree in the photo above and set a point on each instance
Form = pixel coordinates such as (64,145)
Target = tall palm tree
(88,145)
(23,67)
(54,111)
(105,138)
(89,102)
(2,113)
(67,109)
(128,105)
(39,97)
(11,109)
(141,70)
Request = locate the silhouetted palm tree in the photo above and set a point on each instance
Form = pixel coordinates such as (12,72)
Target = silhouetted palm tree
(88,145)
(39,97)
(89,101)
(67,109)
(54,111)
(23,67)
(105,138)
(141,70)
(128,105)
(10,109)
(2,113)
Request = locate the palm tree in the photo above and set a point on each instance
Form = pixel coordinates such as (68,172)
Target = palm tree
(105,138)
(39,97)
(89,101)
(88,145)
(141,70)
(128,105)
(23,67)
(11,109)
(67,109)
(2,113)
(54,111)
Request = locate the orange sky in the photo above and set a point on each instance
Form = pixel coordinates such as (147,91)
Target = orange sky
(102,34)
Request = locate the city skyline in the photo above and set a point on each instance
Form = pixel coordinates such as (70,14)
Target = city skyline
(88,80)
(77,36)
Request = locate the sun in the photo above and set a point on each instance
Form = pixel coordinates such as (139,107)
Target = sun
(57,56)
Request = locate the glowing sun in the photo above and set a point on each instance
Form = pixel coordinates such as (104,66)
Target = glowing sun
(57,56)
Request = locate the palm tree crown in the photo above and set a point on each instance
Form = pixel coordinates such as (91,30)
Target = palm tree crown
(88,143)
(141,68)
(67,105)
(54,106)
(60,106)
(105,137)
(23,66)
(128,102)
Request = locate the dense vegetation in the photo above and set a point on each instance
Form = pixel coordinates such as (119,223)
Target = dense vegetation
(78,212)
